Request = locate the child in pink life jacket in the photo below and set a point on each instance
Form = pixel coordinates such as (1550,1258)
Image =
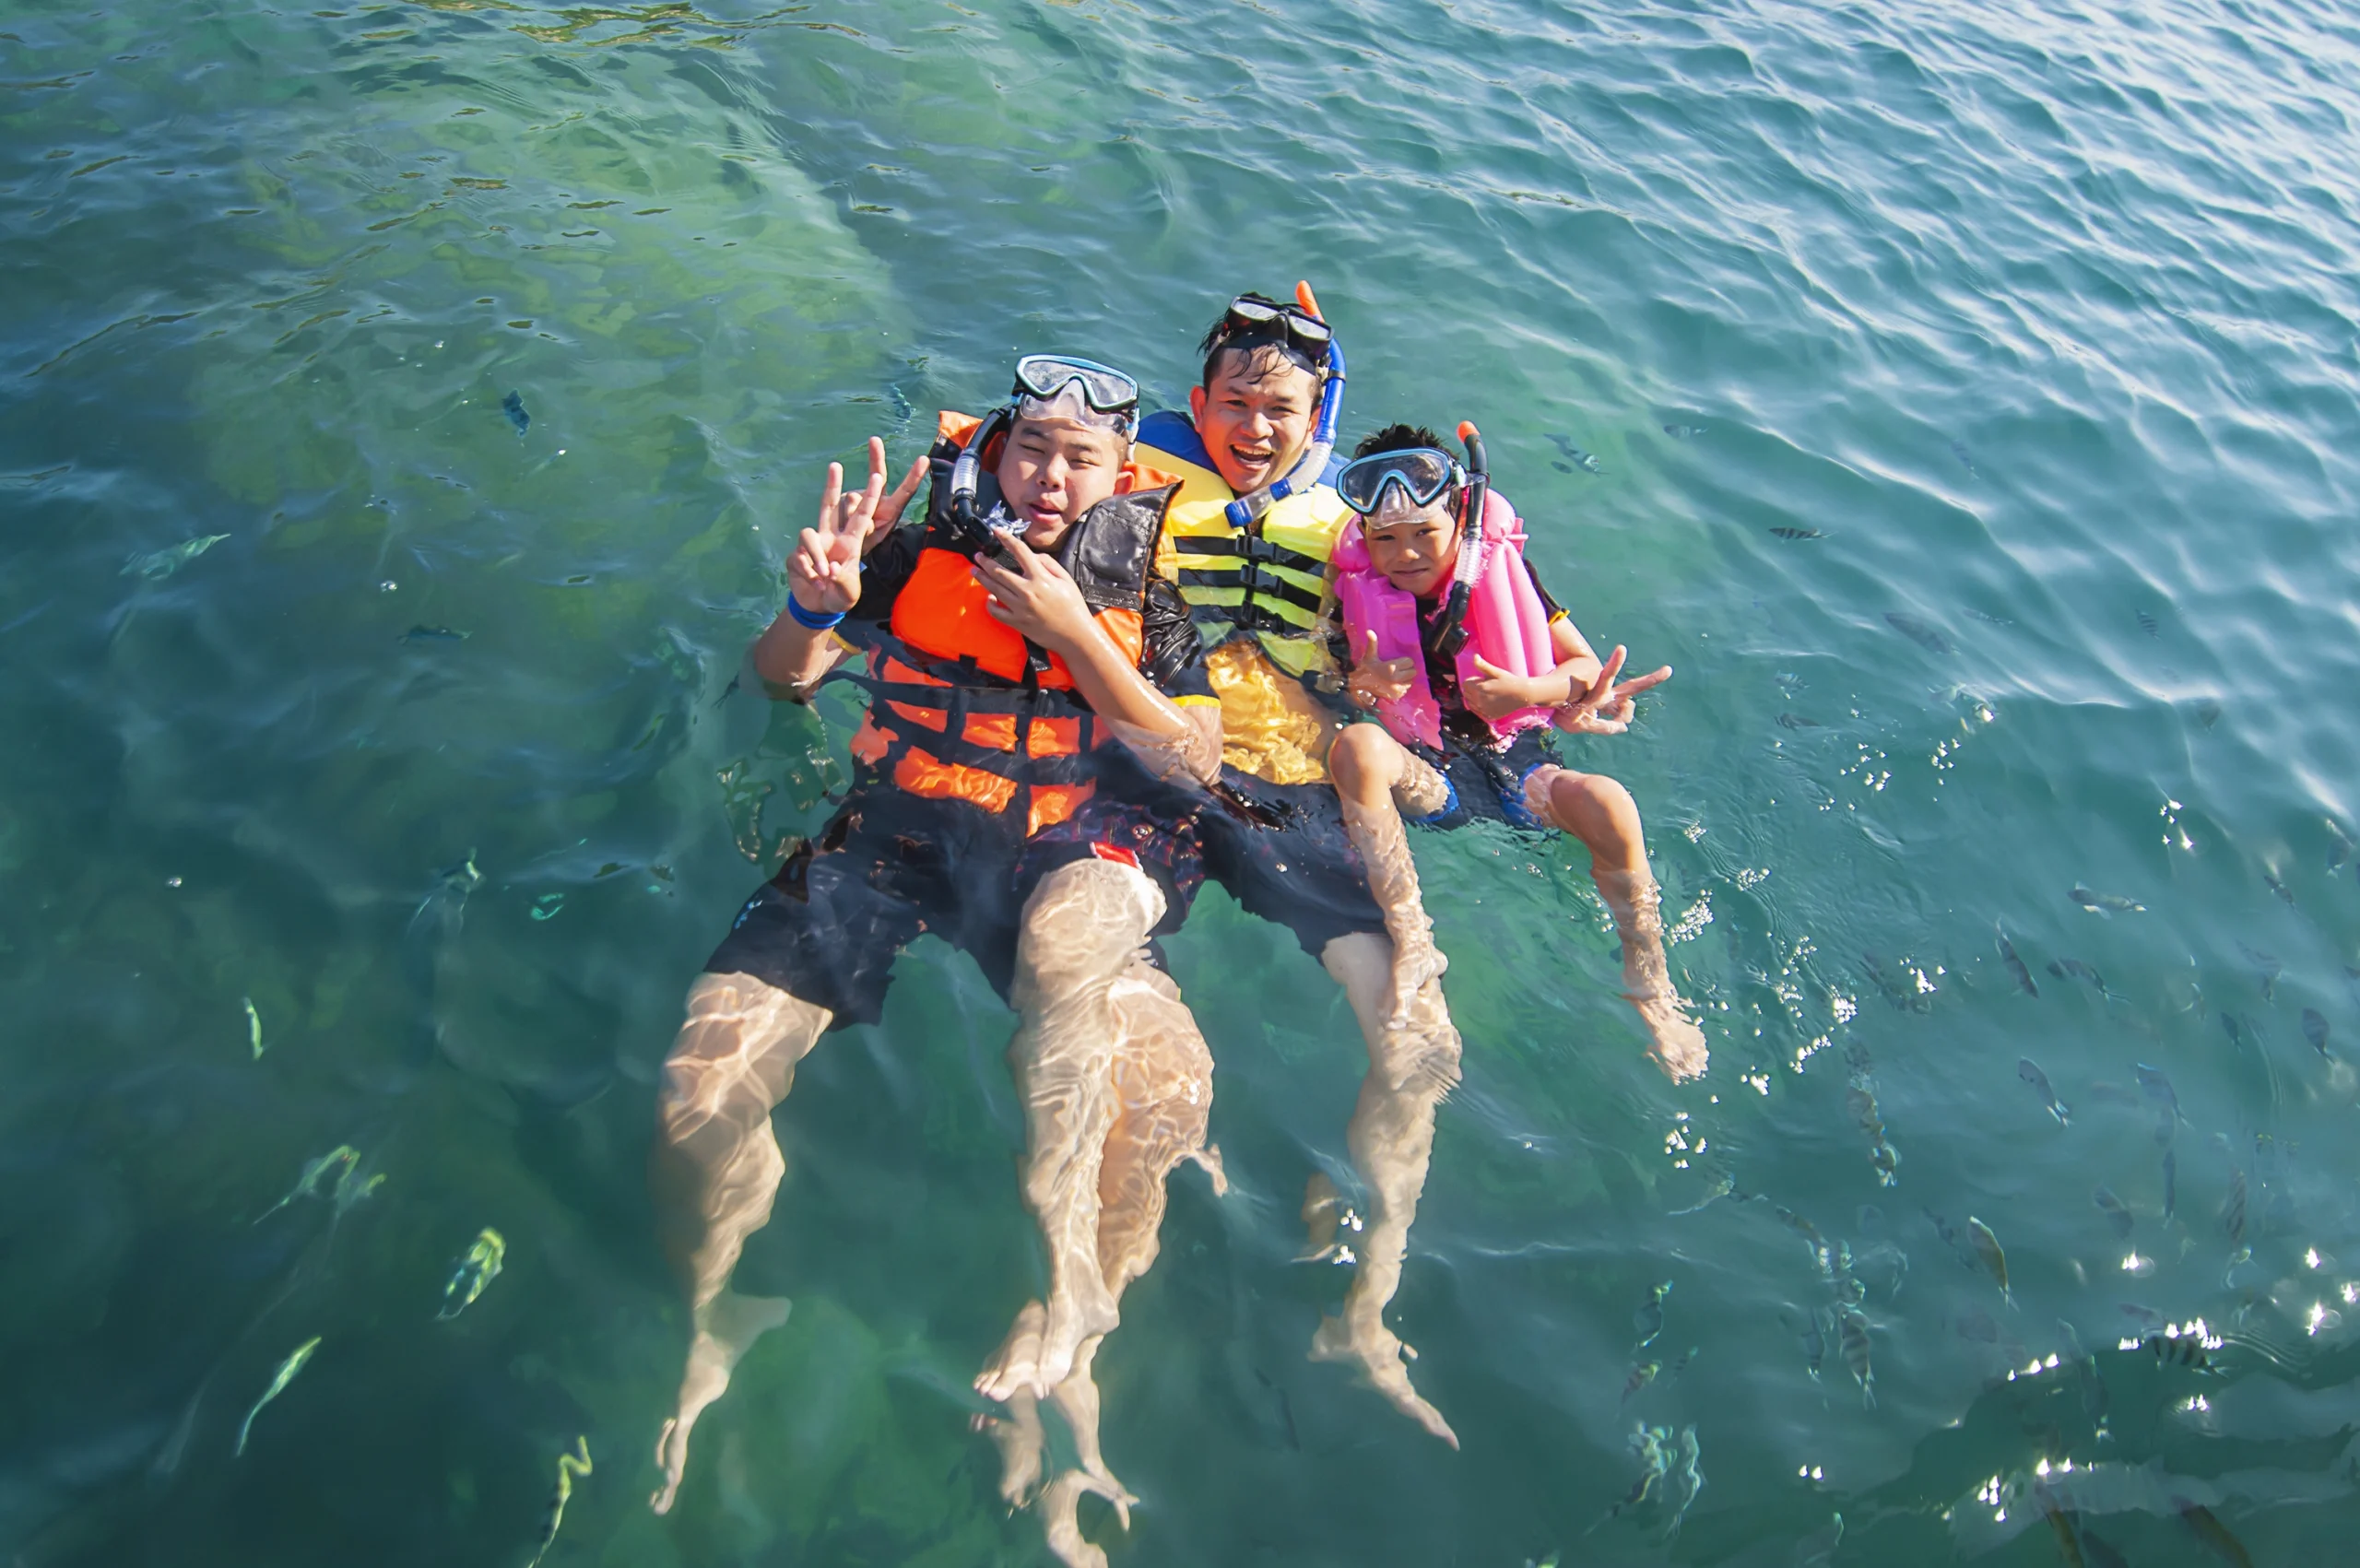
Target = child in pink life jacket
(1468,667)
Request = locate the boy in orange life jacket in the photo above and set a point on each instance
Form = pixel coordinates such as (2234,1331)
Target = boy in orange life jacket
(1474,759)
(991,673)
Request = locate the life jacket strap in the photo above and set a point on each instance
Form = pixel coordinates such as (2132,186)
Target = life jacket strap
(1250,547)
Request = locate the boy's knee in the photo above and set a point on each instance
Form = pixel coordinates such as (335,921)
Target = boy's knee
(1359,752)
(1593,808)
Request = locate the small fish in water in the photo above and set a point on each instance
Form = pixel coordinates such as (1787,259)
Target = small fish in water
(2074,969)
(548,907)
(1978,1327)
(477,1268)
(2208,712)
(1852,1333)
(2029,1070)
(1323,1209)
(1683,433)
(2147,624)
(1958,450)
(568,1466)
(157,565)
(1574,455)
(1806,1326)
(1986,1247)
(2016,965)
(2236,1031)
(1816,1548)
(432,634)
(2115,1213)
(2233,1209)
(2183,1349)
(254,1027)
(1641,1375)
(1687,1480)
(2106,903)
(2281,888)
(1797,533)
(278,1382)
(1648,1319)
(2265,964)
(349,1190)
(1652,1446)
(2159,1090)
(1918,631)
(2315,1029)
(513,407)
(2171,1181)
(1796,720)
(341,1159)
(2146,1316)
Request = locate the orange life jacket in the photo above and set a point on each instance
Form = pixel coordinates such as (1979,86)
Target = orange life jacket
(964,706)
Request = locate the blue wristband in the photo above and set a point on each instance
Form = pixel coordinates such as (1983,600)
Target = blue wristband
(810,622)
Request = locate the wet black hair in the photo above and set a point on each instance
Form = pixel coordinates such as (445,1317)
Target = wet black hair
(1398,438)
(1221,338)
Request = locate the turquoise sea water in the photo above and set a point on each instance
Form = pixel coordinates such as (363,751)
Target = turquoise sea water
(343,718)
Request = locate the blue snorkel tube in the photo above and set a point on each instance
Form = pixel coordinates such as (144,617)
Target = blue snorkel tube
(1248,510)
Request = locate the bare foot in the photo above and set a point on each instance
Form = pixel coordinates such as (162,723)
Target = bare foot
(1077,1400)
(1060,1517)
(1674,1040)
(1017,1434)
(1378,1354)
(726,1328)
(1013,1368)
(1416,961)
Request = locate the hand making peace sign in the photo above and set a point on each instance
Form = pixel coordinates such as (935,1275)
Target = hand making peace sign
(824,572)
(1606,708)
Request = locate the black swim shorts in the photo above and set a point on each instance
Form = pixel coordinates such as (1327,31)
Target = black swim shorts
(887,867)
(1489,785)
(1304,876)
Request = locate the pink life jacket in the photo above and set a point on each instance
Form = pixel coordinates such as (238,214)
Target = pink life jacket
(1506,623)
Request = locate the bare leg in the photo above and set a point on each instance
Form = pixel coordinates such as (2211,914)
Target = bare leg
(1600,812)
(1163,1080)
(1392,1139)
(715,1169)
(1017,1433)
(1372,773)
(1083,928)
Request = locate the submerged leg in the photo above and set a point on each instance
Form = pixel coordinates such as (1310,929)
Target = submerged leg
(1600,812)
(1082,927)
(1017,1431)
(1392,1139)
(715,1170)
(1373,774)
(1161,1078)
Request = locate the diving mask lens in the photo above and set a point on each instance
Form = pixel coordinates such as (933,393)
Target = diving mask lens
(1306,332)
(1422,475)
(1103,388)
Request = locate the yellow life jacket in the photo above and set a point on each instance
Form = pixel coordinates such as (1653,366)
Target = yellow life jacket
(1271,582)
(1262,601)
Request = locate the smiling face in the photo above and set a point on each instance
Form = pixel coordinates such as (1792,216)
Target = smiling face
(1254,413)
(1413,548)
(1051,471)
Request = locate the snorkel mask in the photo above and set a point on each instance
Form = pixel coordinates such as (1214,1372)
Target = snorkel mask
(1048,386)
(1300,329)
(1422,475)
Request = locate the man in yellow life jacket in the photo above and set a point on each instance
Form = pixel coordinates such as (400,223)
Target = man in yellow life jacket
(1247,540)
(1008,635)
